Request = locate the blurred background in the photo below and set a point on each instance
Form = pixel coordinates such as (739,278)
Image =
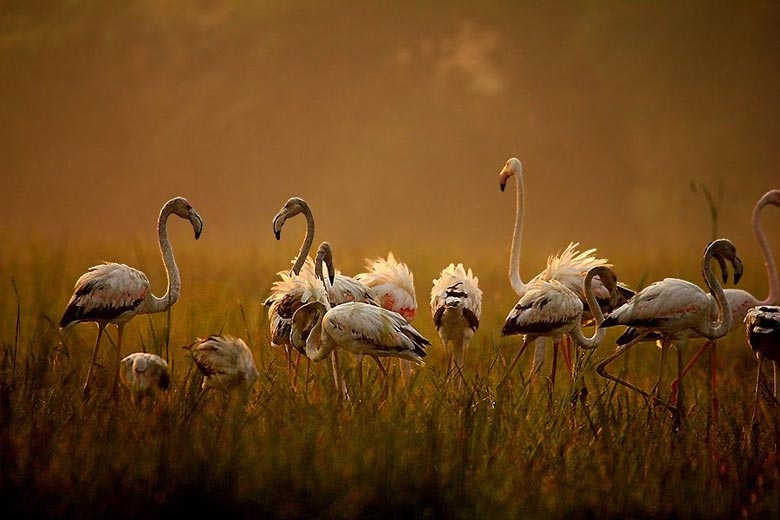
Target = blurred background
(392,119)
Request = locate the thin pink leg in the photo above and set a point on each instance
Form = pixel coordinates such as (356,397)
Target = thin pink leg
(688,367)
(556,345)
(758,389)
(514,361)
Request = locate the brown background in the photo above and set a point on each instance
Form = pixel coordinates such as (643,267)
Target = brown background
(392,118)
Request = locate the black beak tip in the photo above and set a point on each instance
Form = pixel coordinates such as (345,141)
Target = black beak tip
(503,186)
(278,235)
(332,278)
(197,235)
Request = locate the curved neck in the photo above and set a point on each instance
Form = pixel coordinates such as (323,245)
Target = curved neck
(593,305)
(318,345)
(517,236)
(719,328)
(769,261)
(307,241)
(171,296)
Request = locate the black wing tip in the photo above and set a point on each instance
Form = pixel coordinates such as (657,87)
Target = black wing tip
(609,321)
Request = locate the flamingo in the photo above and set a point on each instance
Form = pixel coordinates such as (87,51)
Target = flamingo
(568,268)
(671,307)
(549,308)
(763,334)
(360,328)
(393,283)
(740,301)
(144,375)
(225,362)
(456,305)
(115,293)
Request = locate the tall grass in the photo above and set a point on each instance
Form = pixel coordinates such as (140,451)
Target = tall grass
(430,449)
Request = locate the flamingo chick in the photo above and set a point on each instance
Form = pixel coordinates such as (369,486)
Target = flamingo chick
(144,375)
(763,334)
(456,305)
(115,293)
(225,362)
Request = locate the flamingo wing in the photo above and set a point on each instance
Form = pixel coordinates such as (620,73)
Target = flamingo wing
(365,329)
(546,307)
(106,292)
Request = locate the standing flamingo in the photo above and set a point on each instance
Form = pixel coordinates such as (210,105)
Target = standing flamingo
(550,309)
(763,333)
(671,307)
(740,301)
(393,283)
(456,305)
(360,328)
(115,293)
(225,362)
(144,375)
(568,268)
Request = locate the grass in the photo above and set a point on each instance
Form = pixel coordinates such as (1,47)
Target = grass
(430,450)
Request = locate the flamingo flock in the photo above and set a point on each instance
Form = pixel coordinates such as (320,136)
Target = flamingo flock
(316,311)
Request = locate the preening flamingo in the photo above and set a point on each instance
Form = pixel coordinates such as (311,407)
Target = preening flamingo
(568,268)
(144,375)
(740,301)
(763,334)
(362,329)
(671,307)
(115,293)
(393,283)
(548,308)
(225,362)
(456,305)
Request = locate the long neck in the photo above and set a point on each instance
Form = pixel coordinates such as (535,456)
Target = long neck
(318,345)
(769,261)
(517,237)
(171,296)
(719,328)
(307,241)
(595,309)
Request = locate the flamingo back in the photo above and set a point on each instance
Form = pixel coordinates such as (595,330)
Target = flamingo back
(225,361)
(393,283)
(108,292)
(546,308)
(456,288)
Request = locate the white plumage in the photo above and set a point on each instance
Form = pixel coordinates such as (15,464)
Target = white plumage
(115,293)
(225,362)
(393,283)
(144,375)
(568,268)
(456,307)
(357,327)
(672,306)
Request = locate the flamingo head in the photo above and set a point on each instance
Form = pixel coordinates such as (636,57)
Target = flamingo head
(723,250)
(324,256)
(512,167)
(291,208)
(181,207)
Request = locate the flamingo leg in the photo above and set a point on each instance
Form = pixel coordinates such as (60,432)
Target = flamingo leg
(360,370)
(539,353)
(758,389)
(657,387)
(295,369)
(567,344)
(556,346)
(335,366)
(601,369)
(385,378)
(774,377)
(525,344)
(120,331)
(85,391)
(714,396)
(688,367)
(458,354)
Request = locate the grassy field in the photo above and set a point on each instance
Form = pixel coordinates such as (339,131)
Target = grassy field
(430,450)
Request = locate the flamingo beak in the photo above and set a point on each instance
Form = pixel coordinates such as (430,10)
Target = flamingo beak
(279,220)
(738,269)
(503,177)
(197,223)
